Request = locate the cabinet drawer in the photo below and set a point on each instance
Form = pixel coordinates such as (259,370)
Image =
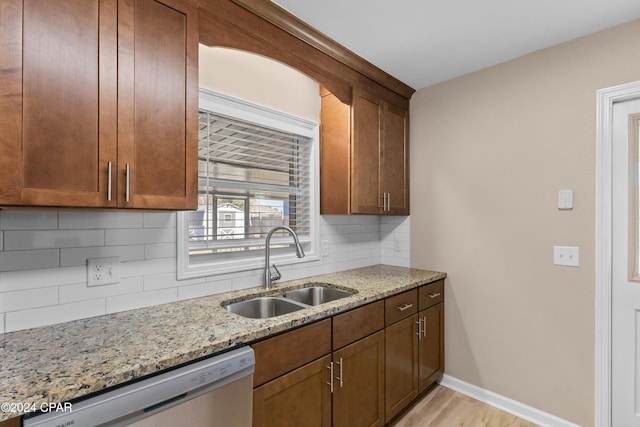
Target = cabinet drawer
(283,353)
(400,306)
(358,323)
(430,294)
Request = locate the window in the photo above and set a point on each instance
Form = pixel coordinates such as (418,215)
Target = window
(256,170)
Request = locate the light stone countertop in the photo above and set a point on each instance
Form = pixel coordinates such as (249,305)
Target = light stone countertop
(61,362)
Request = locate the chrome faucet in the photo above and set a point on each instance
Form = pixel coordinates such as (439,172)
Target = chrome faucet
(271,277)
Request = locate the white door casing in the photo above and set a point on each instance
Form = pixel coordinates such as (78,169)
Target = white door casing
(606,98)
(625,294)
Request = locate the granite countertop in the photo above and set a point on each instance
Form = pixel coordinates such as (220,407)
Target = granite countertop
(61,362)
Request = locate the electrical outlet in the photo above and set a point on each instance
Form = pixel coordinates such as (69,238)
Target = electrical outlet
(325,248)
(566,255)
(103,271)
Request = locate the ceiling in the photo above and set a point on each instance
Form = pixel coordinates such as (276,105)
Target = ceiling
(424,42)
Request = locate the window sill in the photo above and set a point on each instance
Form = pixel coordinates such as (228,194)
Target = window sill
(241,265)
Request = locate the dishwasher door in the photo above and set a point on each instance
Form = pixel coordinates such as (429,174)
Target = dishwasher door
(217,391)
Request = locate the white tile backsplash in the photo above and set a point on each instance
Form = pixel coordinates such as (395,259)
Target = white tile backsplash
(41,278)
(100,220)
(19,220)
(203,289)
(138,236)
(46,239)
(28,260)
(160,250)
(142,299)
(29,298)
(160,220)
(43,261)
(81,292)
(78,256)
(24,319)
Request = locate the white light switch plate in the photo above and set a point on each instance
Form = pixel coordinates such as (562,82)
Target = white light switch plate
(565,199)
(566,255)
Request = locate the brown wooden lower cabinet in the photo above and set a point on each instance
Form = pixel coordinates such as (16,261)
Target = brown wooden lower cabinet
(299,398)
(401,368)
(414,351)
(13,422)
(358,383)
(431,347)
(351,370)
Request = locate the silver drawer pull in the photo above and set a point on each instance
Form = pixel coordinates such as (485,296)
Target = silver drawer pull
(434,295)
(340,377)
(404,307)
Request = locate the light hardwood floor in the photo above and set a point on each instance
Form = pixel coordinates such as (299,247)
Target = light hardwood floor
(443,407)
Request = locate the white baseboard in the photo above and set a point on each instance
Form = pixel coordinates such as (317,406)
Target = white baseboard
(521,410)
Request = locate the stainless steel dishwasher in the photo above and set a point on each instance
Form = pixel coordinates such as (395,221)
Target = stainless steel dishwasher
(217,391)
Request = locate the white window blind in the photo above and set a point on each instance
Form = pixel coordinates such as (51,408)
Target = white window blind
(251,179)
(257,168)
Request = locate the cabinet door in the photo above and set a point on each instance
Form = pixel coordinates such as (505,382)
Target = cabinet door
(299,398)
(401,368)
(394,160)
(358,398)
(335,137)
(157,104)
(13,422)
(58,101)
(431,346)
(365,160)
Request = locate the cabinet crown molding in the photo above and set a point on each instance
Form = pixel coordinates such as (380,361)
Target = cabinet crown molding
(284,20)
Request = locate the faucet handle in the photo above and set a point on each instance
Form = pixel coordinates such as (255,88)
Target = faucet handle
(276,275)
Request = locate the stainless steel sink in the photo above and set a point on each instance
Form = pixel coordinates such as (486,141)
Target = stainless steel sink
(263,307)
(315,295)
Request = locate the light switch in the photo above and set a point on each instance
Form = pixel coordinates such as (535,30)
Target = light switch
(565,199)
(566,255)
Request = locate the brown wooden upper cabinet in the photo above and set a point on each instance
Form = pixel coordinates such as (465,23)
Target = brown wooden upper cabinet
(364,166)
(98,103)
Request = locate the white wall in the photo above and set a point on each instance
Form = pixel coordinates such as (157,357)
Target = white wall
(491,150)
(43,254)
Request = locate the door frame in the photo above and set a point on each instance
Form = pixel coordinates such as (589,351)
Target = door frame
(604,168)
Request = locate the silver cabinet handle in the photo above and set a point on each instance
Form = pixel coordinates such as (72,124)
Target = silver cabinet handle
(340,377)
(424,330)
(388,202)
(386,198)
(109,181)
(127,189)
(419,323)
(404,307)
(434,295)
(330,368)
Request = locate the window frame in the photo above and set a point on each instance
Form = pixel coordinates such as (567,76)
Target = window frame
(223,104)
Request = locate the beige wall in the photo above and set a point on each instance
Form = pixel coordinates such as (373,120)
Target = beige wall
(489,152)
(260,80)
